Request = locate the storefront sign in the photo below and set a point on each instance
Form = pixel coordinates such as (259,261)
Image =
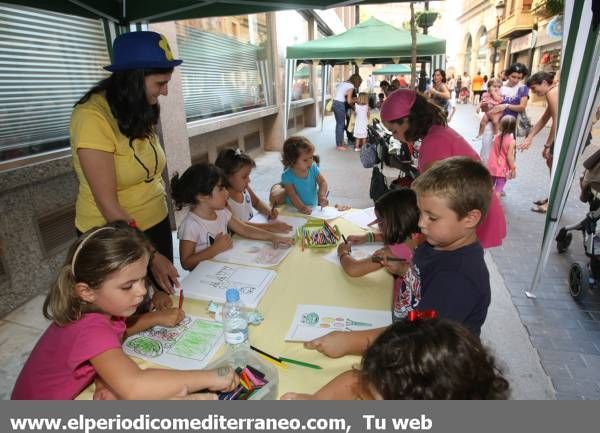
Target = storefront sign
(521,43)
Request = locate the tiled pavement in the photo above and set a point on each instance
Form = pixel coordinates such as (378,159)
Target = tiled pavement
(565,333)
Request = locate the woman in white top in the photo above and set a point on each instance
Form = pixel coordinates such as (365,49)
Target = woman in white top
(344,94)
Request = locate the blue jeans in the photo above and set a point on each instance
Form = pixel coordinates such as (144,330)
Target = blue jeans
(339,111)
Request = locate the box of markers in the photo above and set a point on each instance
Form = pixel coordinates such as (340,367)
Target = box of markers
(259,380)
(317,233)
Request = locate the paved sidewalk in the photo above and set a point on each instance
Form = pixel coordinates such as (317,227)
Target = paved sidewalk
(565,333)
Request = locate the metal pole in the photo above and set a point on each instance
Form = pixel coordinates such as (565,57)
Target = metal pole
(495,46)
(422,74)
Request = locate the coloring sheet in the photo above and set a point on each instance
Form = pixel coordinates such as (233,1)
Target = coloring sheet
(359,252)
(189,345)
(295,222)
(210,280)
(313,321)
(362,218)
(327,213)
(254,253)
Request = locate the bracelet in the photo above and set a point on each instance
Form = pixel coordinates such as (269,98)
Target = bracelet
(370,237)
(132,223)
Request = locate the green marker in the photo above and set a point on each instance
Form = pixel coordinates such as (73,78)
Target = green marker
(303,364)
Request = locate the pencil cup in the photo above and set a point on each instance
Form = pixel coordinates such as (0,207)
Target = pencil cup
(267,392)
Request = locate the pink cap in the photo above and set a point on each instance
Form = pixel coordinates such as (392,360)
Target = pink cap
(397,104)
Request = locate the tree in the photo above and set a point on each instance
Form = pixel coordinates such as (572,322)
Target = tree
(413,51)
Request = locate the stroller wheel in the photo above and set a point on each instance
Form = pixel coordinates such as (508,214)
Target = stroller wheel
(563,240)
(579,281)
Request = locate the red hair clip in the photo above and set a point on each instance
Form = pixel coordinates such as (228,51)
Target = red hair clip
(418,314)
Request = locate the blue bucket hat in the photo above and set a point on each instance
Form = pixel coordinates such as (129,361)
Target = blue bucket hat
(141,50)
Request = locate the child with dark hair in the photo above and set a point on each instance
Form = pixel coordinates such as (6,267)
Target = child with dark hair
(242,201)
(203,232)
(305,187)
(397,219)
(420,359)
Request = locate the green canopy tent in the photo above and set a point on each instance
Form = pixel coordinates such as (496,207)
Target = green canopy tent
(372,41)
(580,73)
(392,70)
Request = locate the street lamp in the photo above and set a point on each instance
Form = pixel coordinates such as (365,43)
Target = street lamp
(499,14)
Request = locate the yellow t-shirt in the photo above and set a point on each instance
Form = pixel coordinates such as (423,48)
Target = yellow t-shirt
(94,127)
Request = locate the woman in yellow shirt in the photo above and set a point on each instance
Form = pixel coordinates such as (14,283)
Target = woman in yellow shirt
(116,151)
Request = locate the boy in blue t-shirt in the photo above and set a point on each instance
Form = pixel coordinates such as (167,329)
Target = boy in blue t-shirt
(453,197)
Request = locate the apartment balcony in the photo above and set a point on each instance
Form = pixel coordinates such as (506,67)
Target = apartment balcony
(516,24)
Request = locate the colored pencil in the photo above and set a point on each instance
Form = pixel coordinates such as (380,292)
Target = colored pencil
(303,364)
(256,349)
(180,298)
(273,361)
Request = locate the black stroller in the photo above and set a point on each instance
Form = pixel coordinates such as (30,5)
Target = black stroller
(583,277)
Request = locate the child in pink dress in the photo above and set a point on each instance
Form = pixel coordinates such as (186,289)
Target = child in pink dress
(489,100)
(501,162)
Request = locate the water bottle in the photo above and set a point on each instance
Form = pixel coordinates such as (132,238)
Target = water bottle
(235,324)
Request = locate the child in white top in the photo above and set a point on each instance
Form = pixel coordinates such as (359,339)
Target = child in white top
(361,120)
(242,201)
(101,283)
(203,232)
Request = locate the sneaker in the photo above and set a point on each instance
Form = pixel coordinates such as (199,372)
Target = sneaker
(357,149)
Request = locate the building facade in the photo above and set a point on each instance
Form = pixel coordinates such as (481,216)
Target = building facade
(228,92)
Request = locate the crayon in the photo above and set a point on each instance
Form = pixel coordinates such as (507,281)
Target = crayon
(180,298)
(275,358)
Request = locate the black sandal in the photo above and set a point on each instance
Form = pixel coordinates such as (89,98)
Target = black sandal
(541,202)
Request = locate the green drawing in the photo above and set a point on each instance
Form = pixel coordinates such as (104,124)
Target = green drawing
(198,340)
(311,319)
(145,346)
(350,322)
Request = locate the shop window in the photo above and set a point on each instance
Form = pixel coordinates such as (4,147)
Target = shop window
(224,71)
(296,32)
(49,61)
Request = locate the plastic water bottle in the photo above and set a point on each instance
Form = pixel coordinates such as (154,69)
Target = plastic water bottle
(235,324)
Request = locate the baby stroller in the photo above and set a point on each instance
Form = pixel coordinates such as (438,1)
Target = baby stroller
(583,277)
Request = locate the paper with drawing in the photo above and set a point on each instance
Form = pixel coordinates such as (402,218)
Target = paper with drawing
(189,345)
(253,253)
(327,213)
(313,321)
(362,218)
(295,222)
(210,280)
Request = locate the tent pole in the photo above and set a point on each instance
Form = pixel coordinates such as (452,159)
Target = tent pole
(574,111)
(290,66)
(324,82)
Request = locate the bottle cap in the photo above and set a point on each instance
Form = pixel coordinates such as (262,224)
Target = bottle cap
(232,295)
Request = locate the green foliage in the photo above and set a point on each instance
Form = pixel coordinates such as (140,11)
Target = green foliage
(555,7)
(426,18)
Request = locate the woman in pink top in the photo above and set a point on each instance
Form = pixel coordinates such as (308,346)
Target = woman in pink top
(411,117)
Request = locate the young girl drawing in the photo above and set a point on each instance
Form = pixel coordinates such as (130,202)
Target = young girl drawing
(489,100)
(501,162)
(398,218)
(305,187)
(203,231)
(242,201)
(420,359)
(101,283)
(361,120)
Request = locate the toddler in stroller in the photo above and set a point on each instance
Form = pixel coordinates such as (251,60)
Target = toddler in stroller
(583,277)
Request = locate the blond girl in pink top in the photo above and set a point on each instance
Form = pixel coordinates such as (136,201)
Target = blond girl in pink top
(102,282)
